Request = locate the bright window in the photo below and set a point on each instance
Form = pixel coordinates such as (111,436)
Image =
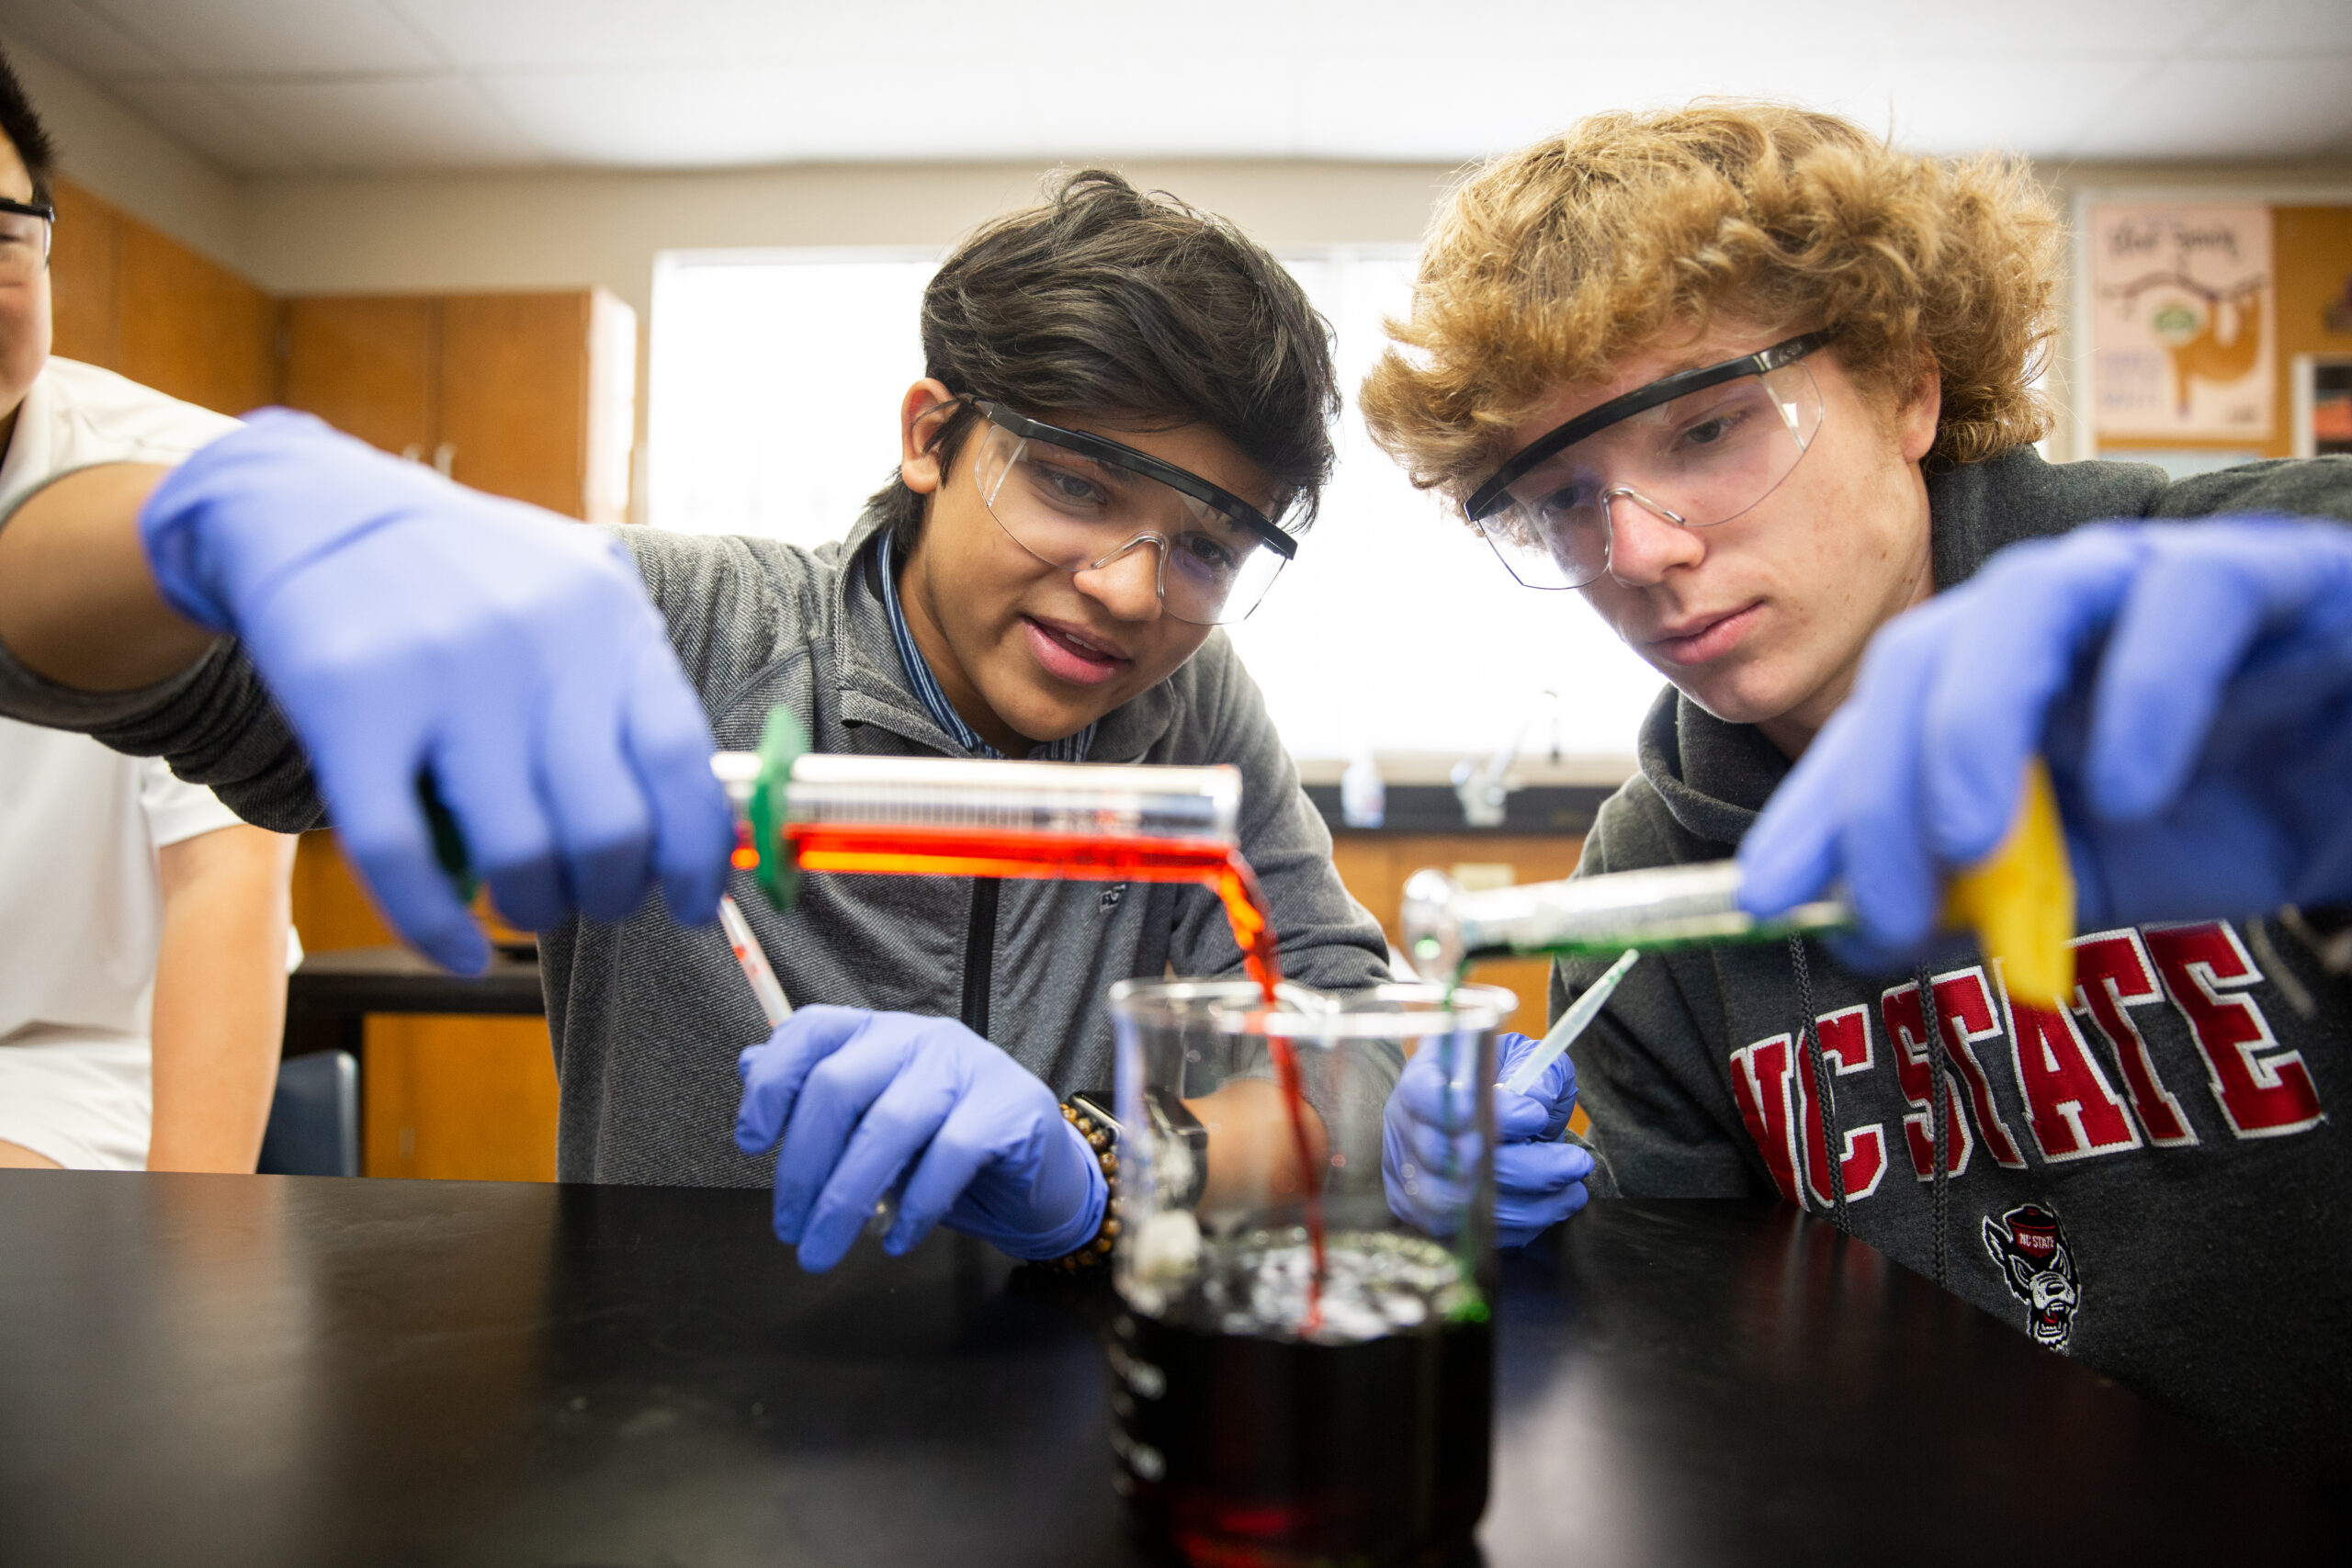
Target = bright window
(774,386)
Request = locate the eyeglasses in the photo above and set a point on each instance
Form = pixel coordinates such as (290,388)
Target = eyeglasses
(1697,447)
(1081,502)
(24,240)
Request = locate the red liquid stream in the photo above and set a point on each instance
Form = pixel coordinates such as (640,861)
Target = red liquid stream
(964,851)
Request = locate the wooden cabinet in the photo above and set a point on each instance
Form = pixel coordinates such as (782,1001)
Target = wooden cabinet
(525,395)
(1375,866)
(445,1096)
(367,367)
(129,299)
(84,258)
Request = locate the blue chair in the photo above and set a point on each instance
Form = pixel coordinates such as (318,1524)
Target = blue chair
(314,1117)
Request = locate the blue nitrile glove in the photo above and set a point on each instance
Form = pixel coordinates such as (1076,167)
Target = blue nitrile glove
(859,1097)
(2190,684)
(1539,1182)
(404,624)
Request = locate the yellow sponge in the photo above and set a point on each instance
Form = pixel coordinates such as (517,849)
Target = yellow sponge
(2020,900)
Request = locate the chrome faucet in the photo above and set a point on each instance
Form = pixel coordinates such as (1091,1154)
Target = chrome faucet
(1483,788)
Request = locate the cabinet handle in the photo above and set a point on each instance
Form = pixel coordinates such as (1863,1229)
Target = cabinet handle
(444,459)
(413,453)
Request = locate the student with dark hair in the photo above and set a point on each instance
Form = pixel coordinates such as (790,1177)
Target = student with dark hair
(1121,433)
(1119,438)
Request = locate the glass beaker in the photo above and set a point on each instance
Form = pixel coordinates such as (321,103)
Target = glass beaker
(1277,1402)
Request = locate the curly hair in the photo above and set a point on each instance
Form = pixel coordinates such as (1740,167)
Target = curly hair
(1546,267)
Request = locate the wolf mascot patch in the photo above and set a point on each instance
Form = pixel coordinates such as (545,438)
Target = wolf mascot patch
(2028,1246)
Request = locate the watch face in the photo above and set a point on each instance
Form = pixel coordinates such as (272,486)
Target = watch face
(1097,1103)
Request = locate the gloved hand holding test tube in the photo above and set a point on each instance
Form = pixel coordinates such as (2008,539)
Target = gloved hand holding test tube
(776,1007)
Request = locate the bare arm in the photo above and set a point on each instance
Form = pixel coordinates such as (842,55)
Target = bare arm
(1252,1149)
(219,996)
(78,602)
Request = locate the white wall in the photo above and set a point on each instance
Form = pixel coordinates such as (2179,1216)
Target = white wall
(321,235)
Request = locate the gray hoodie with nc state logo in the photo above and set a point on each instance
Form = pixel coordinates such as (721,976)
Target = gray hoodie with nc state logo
(2157,1181)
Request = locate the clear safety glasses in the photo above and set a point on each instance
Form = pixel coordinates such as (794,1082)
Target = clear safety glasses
(1697,449)
(24,240)
(1079,502)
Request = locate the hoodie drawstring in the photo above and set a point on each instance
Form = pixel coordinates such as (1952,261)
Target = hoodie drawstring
(1939,1105)
(1940,1061)
(1819,1067)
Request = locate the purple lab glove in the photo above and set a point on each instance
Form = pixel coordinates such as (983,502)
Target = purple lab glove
(858,1098)
(1539,1182)
(406,624)
(2190,684)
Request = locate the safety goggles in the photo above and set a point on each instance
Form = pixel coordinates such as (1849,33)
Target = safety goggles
(1697,449)
(24,240)
(1079,502)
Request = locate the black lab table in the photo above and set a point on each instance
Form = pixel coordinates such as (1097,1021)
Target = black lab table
(258,1370)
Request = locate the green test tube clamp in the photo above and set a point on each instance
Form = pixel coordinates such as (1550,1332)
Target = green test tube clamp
(449,839)
(782,743)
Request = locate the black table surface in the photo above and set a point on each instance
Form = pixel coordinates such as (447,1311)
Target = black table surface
(260,1371)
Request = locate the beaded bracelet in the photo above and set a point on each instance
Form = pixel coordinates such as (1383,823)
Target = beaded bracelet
(1096,1248)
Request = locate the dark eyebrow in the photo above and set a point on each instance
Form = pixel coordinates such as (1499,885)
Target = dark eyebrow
(1061,454)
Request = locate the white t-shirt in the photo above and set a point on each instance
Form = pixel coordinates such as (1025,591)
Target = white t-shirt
(80,909)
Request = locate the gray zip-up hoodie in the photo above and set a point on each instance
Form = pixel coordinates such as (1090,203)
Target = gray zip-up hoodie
(2155,1182)
(648,1016)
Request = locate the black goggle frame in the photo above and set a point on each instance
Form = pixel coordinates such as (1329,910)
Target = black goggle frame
(1183,481)
(1490,497)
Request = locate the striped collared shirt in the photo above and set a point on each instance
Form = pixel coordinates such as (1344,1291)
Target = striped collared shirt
(1069,748)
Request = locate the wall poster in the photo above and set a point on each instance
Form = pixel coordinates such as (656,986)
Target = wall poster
(2182,307)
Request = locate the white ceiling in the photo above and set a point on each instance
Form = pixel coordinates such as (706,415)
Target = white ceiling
(281,86)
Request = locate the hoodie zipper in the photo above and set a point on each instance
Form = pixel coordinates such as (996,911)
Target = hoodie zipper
(979,955)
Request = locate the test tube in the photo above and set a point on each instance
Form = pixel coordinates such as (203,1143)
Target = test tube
(1573,1023)
(752,959)
(828,790)
(1678,905)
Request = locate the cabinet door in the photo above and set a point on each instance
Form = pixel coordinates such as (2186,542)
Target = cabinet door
(366,365)
(514,395)
(190,328)
(456,1097)
(82,260)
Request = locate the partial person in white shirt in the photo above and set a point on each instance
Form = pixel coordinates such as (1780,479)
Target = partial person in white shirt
(143,929)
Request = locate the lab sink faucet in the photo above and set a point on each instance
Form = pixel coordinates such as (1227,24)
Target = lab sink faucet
(1485,787)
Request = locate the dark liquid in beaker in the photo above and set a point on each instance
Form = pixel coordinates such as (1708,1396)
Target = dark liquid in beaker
(1286,1452)
(1244,1440)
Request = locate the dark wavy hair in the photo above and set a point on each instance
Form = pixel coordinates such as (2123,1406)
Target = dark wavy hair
(1133,307)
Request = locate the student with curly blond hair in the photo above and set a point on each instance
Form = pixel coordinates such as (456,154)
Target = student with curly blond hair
(1759,384)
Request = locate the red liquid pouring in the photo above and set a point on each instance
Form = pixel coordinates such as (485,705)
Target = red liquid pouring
(967,852)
